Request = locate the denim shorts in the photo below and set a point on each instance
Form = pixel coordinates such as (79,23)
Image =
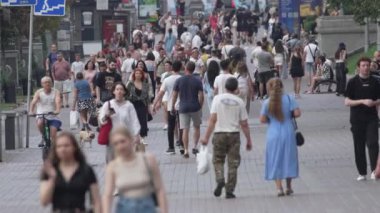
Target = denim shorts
(54,123)
(135,205)
(309,67)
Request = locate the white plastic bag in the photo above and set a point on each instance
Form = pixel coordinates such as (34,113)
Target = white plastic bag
(74,120)
(203,160)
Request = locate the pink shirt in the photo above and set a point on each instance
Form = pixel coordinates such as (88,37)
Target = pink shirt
(213,22)
(89,75)
(61,70)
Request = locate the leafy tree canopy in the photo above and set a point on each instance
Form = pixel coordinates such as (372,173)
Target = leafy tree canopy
(361,9)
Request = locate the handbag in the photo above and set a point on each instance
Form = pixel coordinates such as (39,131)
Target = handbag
(105,130)
(300,140)
(154,194)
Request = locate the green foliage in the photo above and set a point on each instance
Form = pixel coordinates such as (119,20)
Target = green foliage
(352,59)
(308,23)
(361,9)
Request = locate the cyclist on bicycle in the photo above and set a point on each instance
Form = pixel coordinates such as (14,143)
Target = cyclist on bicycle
(47,100)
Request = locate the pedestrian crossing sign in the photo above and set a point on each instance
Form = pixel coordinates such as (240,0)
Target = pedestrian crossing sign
(49,8)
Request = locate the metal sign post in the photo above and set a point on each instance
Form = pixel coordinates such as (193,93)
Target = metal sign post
(29,74)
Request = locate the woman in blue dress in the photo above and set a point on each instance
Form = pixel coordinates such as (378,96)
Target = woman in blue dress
(281,157)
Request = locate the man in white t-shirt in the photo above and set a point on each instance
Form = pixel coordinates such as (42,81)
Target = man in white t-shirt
(213,57)
(227,117)
(311,52)
(199,65)
(220,80)
(77,65)
(126,67)
(226,49)
(196,42)
(167,89)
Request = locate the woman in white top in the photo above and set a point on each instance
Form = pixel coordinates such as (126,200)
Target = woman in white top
(271,23)
(280,57)
(245,83)
(121,112)
(150,64)
(136,176)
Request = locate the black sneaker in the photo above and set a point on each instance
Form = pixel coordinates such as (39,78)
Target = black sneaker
(218,190)
(230,195)
(182,150)
(195,151)
(170,151)
(41,145)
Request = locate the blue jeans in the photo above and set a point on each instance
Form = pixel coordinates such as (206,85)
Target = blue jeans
(135,205)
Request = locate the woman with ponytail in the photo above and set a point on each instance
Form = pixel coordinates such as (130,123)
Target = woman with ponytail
(281,157)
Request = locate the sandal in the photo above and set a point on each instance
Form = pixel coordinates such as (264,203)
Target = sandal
(289,192)
(280,193)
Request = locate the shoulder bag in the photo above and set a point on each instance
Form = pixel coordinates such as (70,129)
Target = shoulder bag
(300,140)
(154,194)
(105,129)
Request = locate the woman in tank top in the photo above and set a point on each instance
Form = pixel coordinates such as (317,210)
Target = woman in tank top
(135,176)
(245,83)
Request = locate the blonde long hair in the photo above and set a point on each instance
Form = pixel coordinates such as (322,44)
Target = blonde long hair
(275,88)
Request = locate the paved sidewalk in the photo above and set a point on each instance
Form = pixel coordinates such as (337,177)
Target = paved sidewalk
(327,183)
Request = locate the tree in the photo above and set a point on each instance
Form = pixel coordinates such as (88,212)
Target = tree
(361,9)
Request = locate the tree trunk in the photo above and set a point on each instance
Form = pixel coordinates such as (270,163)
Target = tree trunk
(366,35)
(378,34)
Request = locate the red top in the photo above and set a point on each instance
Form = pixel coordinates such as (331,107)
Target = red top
(213,22)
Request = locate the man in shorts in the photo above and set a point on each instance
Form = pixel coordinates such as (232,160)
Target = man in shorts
(311,52)
(61,72)
(265,63)
(189,89)
(47,100)
(324,72)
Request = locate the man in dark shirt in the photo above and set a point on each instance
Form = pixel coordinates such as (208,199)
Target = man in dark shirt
(363,97)
(189,89)
(105,81)
(50,60)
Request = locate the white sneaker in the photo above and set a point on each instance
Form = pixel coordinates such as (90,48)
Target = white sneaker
(373,176)
(143,141)
(361,178)
(165,127)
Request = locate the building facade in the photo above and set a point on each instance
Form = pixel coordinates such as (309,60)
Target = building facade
(94,22)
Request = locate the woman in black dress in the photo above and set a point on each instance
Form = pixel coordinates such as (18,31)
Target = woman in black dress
(66,177)
(340,69)
(139,96)
(296,69)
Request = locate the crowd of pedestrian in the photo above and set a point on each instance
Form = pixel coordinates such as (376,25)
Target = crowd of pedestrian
(188,65)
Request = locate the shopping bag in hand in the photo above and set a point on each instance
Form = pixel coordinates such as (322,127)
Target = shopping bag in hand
(203,160)
(74,120)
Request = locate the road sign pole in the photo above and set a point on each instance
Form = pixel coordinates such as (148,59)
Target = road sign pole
(29,74)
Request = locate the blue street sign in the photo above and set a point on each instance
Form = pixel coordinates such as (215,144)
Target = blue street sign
(17,2)
(49,8)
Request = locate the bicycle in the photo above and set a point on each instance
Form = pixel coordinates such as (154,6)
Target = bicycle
(46,133)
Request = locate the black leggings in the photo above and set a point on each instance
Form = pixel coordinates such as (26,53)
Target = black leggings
(151,76)
(341,77)
(142,115)
(365,134)
(173,120)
